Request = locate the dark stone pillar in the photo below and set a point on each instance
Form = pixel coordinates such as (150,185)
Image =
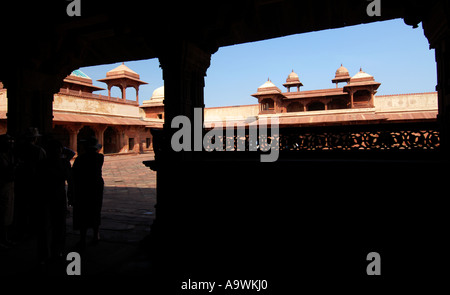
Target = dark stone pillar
(436,25)
(436,29)
(30,101)
(184,67)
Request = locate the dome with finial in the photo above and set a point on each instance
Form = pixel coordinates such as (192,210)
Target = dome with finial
(268,85)
(341,75)
(342,71)
(122,70)
(268,88)
(120,73)
(363,79)
(361,74)
(292,77)
(293,81)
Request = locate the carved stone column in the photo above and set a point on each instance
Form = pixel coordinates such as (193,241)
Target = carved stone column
(123,87)
(121,140)
(372,95)
(351,98)
(73,136)
(184,68)
(137,93)
(99,130)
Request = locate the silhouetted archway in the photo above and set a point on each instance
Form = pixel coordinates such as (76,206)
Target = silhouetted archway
(110,141)
(61,134)
(83,134)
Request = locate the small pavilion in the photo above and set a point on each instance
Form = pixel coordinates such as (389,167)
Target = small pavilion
(123,77)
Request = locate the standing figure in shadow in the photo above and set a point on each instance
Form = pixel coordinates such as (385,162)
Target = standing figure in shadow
(28,186)
(52,204)
(7,171)
(87,195)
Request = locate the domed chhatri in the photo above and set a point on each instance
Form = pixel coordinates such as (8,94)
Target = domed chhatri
(358,92)
(268,87)
(362,75)
(158,94)
(123,77)
(341,71)
(293,81)
(79,73)
(122,70)
(341,75)
(267,84)
(157,97)
(79,81)
(293,77)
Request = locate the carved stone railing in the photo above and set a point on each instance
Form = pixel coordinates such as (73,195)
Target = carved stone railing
(89,95)
(393,141)
(410,136)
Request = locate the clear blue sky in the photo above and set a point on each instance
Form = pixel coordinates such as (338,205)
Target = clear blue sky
(395,54)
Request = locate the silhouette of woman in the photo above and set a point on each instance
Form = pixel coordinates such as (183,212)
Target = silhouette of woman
(88,190)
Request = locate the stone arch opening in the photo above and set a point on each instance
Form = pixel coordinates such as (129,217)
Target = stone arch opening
(294,107)
(116,91)
(267,104)
(337,104)
(316,106)
(111,141)
(61,134)
(131,93)
(361,99)
(84,134)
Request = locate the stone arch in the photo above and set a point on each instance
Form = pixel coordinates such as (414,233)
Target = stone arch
(315,106)
(131,93)
(61,134)
(111,140)
(294,107)
(267,104)
(337,103)
(84,133)
(115,91)
(361,99)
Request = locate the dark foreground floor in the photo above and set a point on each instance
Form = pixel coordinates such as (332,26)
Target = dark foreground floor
(128,211)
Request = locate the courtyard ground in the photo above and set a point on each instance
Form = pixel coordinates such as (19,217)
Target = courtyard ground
(127,213)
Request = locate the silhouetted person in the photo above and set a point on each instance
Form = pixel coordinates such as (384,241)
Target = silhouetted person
(67,155)
(52,205)
(7,168)
(28,184)
(88,190)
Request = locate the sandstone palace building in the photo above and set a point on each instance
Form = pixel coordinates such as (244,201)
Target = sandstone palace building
(124,126)
(355,102)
